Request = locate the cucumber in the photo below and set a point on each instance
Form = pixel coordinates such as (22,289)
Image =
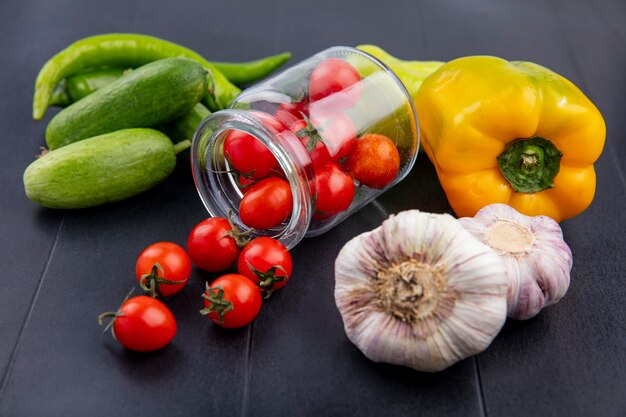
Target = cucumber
(101,169)
(149,96)
(184,127)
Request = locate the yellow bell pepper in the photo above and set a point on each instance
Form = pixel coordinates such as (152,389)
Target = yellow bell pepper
(510,132)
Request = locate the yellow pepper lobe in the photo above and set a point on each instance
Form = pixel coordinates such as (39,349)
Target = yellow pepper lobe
(510,132)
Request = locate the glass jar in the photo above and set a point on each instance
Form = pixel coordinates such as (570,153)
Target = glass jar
(342,129)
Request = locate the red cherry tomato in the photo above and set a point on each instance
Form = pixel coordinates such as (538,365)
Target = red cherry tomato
(266,262)
(289,113)
(335,190)
(143,324)
(271,122)
(248,155)
(211,247)
(266,204)
(339,133)
(232,301)
(319,153)
(245,183)
(336,132)
(336,81)
(374,161)
(163,268)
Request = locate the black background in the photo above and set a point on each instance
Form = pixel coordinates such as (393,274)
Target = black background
(60,269)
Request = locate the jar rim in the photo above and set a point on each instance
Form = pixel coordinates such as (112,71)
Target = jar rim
(213,128)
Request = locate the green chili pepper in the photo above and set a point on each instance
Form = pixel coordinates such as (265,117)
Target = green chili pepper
(122,50)
(60,97)
(75,87)
(247,72)
(411,73)
(184,127)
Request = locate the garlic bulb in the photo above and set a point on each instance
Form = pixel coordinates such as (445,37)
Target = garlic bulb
(420,291)
(537,260)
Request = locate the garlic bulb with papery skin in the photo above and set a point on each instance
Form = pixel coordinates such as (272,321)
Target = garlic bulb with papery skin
(537,259)
(420,291)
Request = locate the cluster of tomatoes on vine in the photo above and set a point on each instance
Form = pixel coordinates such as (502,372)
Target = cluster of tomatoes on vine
(320,125)
(144,323)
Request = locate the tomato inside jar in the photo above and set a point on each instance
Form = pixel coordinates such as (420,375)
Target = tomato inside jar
(300,152)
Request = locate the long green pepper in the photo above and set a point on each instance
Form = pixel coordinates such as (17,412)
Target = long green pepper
(122,50)
(411,73)
(76,86)
(247,72)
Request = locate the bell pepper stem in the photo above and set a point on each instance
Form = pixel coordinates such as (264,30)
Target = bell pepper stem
(530,165)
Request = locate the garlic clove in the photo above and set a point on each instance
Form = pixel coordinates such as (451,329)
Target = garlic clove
(537,259)
(420,291)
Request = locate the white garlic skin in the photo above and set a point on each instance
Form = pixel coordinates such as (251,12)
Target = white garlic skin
(539,273)
(470,310)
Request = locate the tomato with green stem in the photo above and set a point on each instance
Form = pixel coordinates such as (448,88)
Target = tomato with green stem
(142,324)
(332,134)
(214,244)
(289,113)
(314,144)
(232,301)
(163,269)
(266,262)
(266,203)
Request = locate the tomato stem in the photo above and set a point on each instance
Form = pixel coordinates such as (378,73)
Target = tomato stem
(152,282)
(217,302)
(313,133)
(113,314)
(268,279)
(241,238)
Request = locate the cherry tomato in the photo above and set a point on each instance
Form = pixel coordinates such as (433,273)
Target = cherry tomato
(212,246)
(374,161)
(271,122)
(143,324)
(335,190)
(248,155)
(336,132)
(289,113)
(319,153)
(266,204)
(163,268)
(338,82)
(245,183)
(266,262)
(232,301)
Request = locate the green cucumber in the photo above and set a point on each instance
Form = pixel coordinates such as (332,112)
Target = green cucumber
(184,127)
(149,96)
(102,169)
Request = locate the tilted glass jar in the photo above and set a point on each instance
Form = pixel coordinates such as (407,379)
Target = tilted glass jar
(340,114)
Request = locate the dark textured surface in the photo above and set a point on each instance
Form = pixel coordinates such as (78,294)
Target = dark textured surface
(61,269)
